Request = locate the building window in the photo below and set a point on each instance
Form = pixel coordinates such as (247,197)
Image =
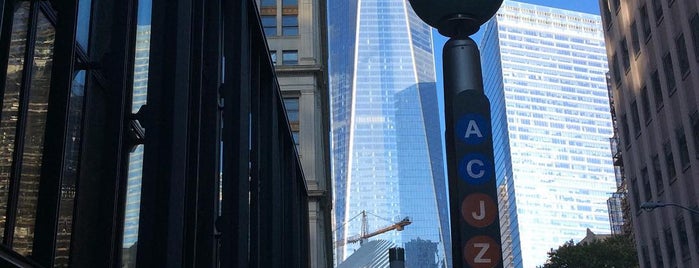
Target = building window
(646,258)
(290,57)
(657,175)
(634,196)
(625,54)
(268,3)
(290,25)
(636,119)
(645,22)
(657,91)
(658,253)
(646,185)
(658,10)
(615,70)
(669,161)
(669,245)
(695,35)
(682,57)
(695,132)
(269,24)
(645,105)
(682,235)
(635,43)
(695,227)
(669,73)
(606,11)
(290,3)
(625,131)
(682,144)
(291,104)
(273,55)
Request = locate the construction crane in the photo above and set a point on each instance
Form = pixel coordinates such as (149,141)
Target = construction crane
(364,235)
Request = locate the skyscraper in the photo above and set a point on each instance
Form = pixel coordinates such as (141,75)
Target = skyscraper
(386,143)
(653,49)
(544,73)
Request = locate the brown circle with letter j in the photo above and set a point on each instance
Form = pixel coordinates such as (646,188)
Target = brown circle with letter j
(479,210)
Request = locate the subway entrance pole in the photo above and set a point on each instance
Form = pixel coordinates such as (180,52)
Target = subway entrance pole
(475,224)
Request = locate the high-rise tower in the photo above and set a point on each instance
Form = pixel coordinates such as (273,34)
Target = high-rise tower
(386,143)
(544,73)
(653,49)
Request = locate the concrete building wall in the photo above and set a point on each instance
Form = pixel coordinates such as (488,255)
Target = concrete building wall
(297,42)
(653,52)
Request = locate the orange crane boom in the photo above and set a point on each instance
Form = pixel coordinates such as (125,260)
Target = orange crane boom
(398,226)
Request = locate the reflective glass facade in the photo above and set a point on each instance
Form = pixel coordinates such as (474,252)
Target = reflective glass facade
(386,143)
(544,73)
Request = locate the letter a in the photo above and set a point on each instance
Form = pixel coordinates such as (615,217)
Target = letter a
(473,129)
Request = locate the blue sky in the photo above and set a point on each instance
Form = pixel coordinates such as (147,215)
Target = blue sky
(587,6)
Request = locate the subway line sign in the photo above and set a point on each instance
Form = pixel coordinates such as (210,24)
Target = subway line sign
(472,186)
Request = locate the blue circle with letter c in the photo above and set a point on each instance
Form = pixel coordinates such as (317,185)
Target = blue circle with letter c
(475,169)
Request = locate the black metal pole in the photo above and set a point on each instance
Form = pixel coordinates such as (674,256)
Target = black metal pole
(475,225)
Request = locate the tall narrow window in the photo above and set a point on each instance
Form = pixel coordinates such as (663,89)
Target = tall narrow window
(657,90)
(70,169)
(645,103)
(683,236)
(669,73)
(10,104)
(615,69)
(606,12)
(625,54)
(635,43)
(648,195)
(669,246)
(695,132)
(657,175)
(34,135)
(694,23)
(132,206)
(669,161)
(291,104)
(635,195)
(682,55)
(658,253)
(645,22)
(682,144)
(658,10)
(625,131)
(635,118)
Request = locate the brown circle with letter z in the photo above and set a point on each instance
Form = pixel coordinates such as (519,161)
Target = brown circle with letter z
(482,252)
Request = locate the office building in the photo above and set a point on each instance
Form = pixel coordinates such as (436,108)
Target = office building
(123,149)
(653,49)
(296,36)
(386,143)
(544,73)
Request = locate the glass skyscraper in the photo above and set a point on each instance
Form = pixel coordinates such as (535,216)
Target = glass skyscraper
(544,73)
(386,139)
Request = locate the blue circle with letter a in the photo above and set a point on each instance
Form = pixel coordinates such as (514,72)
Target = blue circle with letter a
(472,129)
(475,169)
